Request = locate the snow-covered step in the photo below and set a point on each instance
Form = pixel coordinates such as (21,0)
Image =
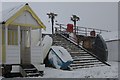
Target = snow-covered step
(84,58)
(29,69)
(78,52)
(33,74)
(86,66)
(56,41)
(75,52)
(80,55)
(83,52)
(82,64)
(87,61)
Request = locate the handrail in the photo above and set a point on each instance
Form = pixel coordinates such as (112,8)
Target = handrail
(85,50)
(80,29)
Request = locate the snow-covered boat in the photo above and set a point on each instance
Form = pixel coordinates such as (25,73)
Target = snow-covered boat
(59,57)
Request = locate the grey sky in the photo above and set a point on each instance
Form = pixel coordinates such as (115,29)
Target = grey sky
(101,15)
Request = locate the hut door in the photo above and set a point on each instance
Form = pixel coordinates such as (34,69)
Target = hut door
(25,48)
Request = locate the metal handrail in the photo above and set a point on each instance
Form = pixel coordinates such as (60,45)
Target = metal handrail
(80,29)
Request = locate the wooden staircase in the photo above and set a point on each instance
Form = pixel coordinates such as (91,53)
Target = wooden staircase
(29,70)
(81,58)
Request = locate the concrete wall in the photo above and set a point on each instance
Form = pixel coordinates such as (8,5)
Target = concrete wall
(113,50)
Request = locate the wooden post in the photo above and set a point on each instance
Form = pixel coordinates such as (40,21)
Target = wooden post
(1,44)
(41,52)
(19,43)
(19,36)
(30,42)
(30,36)
(6,41)
(0,50)
(6,36)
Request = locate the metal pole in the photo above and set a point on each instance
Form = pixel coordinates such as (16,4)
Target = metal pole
(75,26)
(75,18)
(52,21)
(52,17)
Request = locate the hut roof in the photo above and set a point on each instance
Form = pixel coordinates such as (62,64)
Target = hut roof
(11,14)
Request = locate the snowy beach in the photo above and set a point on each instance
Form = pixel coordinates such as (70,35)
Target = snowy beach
(94,72)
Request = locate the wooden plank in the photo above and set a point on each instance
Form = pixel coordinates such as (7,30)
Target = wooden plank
(36,55)
(13,55)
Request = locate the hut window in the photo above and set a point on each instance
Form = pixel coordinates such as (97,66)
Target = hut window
(12,37)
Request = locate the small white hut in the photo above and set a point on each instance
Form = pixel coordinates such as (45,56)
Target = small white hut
(15,37)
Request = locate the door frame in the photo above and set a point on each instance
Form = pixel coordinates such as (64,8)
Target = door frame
(25,52)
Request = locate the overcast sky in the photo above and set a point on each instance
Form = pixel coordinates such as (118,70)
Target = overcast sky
(101,15)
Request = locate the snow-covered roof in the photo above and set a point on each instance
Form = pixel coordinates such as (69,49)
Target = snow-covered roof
(6,14)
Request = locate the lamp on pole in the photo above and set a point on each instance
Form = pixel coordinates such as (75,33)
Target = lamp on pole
(75,18)
(52,17)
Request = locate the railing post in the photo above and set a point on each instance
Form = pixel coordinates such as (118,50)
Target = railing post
(86,31)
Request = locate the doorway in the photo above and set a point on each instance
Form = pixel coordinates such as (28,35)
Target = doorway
(25,47)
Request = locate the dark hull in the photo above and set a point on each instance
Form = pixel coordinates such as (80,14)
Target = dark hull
(100,48)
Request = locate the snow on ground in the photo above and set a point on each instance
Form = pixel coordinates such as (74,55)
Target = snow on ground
(94,72)
(1,77)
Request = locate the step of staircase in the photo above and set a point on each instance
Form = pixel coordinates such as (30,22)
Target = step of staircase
(81,58)
(79,55)
(33,74)
(77,51)
(86,66)
(30,70)
(87,61)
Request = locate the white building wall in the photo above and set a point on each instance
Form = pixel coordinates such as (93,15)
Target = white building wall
(113,50)
(36,55)
(35,36)
(13,55)
(36,52)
